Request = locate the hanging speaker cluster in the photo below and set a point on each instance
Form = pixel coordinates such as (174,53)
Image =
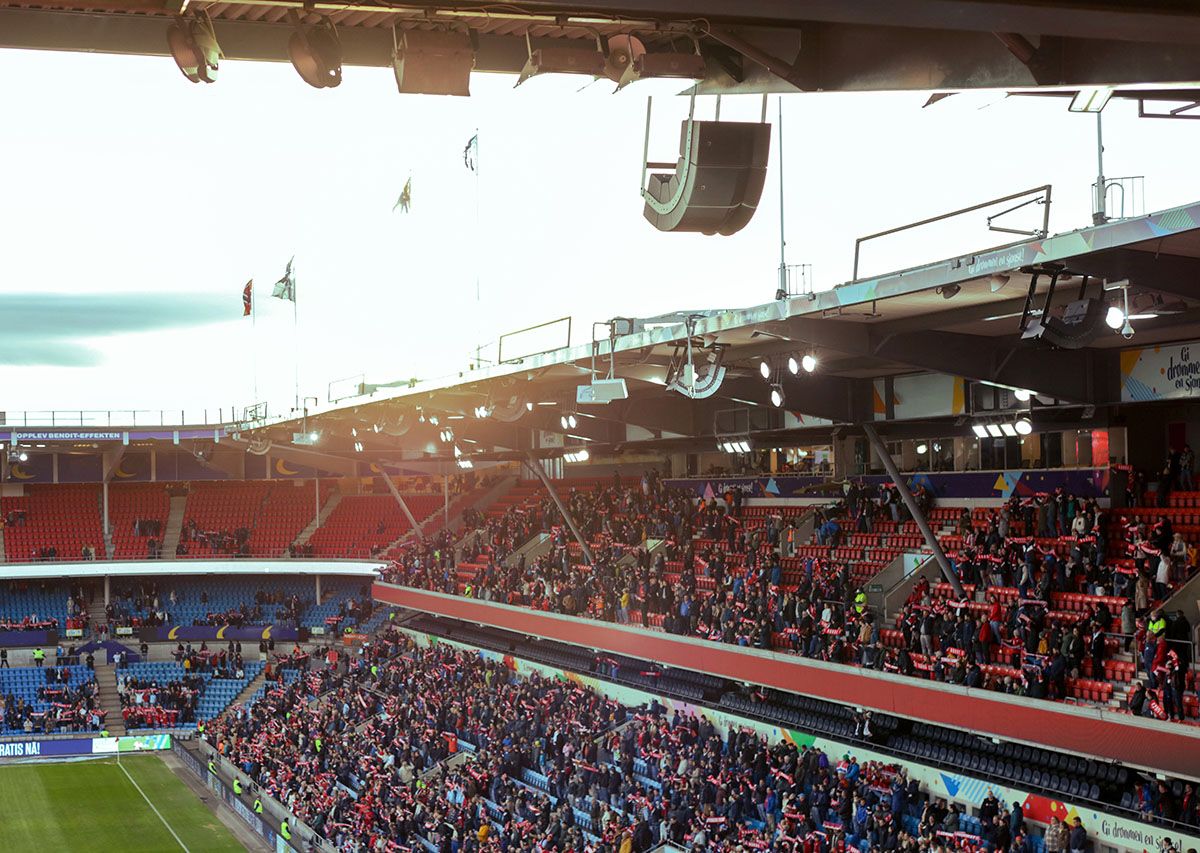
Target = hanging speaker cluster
(316,54)
(193,46)
(716,183)
(432,62)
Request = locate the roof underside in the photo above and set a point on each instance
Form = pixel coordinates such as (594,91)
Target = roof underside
(959,316)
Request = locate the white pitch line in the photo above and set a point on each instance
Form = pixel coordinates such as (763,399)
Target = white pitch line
(151,805)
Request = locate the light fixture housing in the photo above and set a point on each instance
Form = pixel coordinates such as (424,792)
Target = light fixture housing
(793,365)
(1023,426)
(764,370)
(193,46)
(922,449)
(316,54)
(1008,429)
(1090,99)
(777,396)
(994,431)
(809,363)
(1114,318)
(1022,395)
(980,430)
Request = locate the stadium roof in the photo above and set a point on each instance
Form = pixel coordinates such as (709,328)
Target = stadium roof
(751,45)
(958,316)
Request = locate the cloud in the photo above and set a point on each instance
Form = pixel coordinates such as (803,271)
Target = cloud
(52,353)
(35,317)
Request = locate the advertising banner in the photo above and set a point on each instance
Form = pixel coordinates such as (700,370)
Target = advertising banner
(18,639)
(82,746)
(1083,482)
(196,633)
(1160,373)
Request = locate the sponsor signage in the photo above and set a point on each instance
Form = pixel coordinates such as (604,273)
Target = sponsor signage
(1160,372)
(82,746)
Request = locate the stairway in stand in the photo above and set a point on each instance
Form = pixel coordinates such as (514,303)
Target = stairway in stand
(2,557)
(326,510)
(174,526)
(250,689)
(95,610)
(109,700)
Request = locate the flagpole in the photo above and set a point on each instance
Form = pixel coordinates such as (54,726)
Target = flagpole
(254,337)
(296,341)
(478,237)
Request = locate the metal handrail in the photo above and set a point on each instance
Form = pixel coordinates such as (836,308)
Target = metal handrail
(1045,229)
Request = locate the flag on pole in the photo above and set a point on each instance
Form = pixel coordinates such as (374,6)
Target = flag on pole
(248,298)
(405,200)
(285,288)
(471,153)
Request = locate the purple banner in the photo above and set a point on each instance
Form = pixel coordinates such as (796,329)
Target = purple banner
(960,485)
(195,633)
(80,468)
(15,639)
(44,748)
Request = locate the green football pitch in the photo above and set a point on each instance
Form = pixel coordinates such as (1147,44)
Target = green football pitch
(94,805)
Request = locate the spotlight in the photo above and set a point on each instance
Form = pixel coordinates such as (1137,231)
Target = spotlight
(313,436)
(568,421)
(1009,430)
(809,363)
(316,54)
(764,370)
(997,281)
(1023,426)
(358,447)
(377,428)
(777,396)
(433,419)
(465,463)
(354,432)
(22,456)
(793,365)
(921,448)
(948,291)
(529,407)
(457,451)
(1022,395)
(980,430)
(994,431)
(194,48)
(421,418)
(1115,317)
(580,455)
(937,447)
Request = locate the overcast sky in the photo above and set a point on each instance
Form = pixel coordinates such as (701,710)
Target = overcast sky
(136,205)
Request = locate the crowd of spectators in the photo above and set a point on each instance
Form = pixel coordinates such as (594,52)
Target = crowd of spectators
(729,585)
(69,706)
(363,751)
(145,703)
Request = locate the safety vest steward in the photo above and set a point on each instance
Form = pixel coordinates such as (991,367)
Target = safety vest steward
(258,808)
(285,831)
(237,786)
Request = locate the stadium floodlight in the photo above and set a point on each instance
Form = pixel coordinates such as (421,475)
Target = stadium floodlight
(980,430)
(809,363)
(433,419)
(994,431)
(22,456)
(921,449)
(316,54)
(1023,426)
(529,406)
(465,463)
(457,451)
(1009,430)
(377,428)
(777,396)
(764,369)
(1090,99)
(568,421)
(358,447)
(193,46)
(354,432)
(1114,318)
(793,365)
(1022,395)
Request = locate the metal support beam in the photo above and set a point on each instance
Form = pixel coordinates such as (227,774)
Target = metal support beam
(531,462)
(400,500)
(914,510)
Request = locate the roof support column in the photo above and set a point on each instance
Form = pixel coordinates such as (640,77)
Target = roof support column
(914,510)
(532,464)
(400,500)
